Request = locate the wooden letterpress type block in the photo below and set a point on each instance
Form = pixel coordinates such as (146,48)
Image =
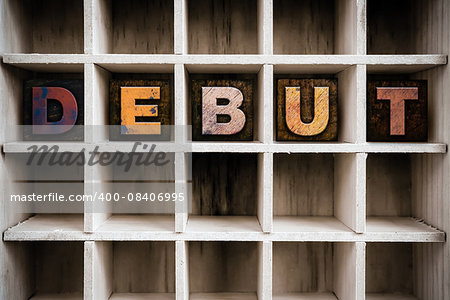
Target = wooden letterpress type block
(54,108)
(397,110)
(141,109)
(222,107)
(306,110)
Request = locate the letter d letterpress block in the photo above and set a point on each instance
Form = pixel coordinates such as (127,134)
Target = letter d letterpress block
(397,110)
(53,110)
(222,107)
(141,109)
(306,109)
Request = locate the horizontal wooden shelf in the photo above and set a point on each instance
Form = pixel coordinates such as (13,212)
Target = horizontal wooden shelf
(142,296)
(221,228)
(224,224)
(389,297)
(399,229)
(138,223)
(305,296)
(224,63)
(223,296)
(57,297)
(250,147)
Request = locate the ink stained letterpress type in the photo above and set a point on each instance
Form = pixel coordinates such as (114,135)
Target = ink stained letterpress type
(141,109)
(55,108)
(397,110)
(222,107)
(306,109)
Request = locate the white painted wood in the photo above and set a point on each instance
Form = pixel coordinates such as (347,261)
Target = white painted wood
(181,186)
(70,296)
(142,296)
(137,223)
(102,25)
(344,270)
(380,296)
(180,27)
(230,228)
(265,27)
(304,296)
(347,28)
(265,191)
(346,191)
(348,105)
(182,270)
(223,296)
(375,63)
(225,224)
(251,147)
(309,224)
(265,255)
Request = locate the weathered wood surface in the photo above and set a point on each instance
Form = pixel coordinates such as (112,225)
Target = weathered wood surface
(143,114)
(393,114)
(307,109)
(207,127)
(224,184)
(55,109)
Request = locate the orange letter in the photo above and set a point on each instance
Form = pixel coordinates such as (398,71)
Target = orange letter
(321,111)
(397,95)
(129,110)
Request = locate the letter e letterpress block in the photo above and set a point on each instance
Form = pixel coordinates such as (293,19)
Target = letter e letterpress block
(141,109)
(53,110)
(397,110)
(306,110)
(222,107)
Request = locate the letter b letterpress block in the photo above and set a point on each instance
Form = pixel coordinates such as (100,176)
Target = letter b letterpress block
(306,109)
(397,110)
(222,107)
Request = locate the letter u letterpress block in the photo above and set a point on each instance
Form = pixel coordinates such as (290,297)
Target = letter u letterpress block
(222,107)
(53,110)
(306,110)
(141,109)
(397,110)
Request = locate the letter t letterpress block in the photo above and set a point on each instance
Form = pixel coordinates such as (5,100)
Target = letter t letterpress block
(397,110)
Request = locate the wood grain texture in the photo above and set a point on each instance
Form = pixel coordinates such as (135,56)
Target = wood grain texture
(379,123)
(246,84)
(307,109)
(54,108)
(222,27)
(303,185)
(389,185)
(416,24)
(389,268)
(142,26)
(303,27)
(56,26)
(217,267)
(224,184)
(143,267)
(302,267)
(165,105)
(58,267)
